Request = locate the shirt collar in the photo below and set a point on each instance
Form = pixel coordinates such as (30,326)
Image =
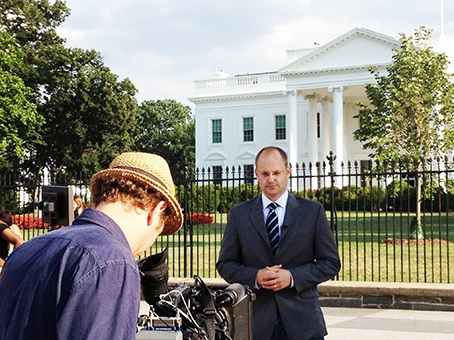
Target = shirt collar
(94,216)
(281,201)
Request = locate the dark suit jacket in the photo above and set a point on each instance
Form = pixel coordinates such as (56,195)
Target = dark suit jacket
(306,248)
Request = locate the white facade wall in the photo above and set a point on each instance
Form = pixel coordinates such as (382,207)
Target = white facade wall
(233,151)
(327,81)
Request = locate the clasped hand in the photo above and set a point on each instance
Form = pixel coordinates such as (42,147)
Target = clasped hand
(274,278)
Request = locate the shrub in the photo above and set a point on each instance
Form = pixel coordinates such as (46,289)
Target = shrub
(32,222)
(29,222)
(199,218)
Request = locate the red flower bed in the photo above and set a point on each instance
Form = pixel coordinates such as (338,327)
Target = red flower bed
(199,218)
(29,222)
(33,222)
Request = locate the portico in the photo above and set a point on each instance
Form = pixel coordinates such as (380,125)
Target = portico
(327,114)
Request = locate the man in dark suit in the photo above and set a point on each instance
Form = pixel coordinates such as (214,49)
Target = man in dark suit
(284,279)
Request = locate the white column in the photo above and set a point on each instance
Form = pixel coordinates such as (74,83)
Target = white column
(292,126)
(312,141)
(338,125)
(325,122)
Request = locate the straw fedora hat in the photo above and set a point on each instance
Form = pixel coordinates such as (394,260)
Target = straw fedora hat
(152,170)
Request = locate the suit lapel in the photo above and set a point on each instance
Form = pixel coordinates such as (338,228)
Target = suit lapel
(256,215)
(291,212)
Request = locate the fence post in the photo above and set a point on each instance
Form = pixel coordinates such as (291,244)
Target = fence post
(185,223)
(333,214)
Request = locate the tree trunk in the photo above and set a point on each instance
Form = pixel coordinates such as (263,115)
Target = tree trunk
(416,227)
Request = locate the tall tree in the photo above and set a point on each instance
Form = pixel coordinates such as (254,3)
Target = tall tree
(19,121)
(33,24)
(89,113)
(411,115)
(167,128)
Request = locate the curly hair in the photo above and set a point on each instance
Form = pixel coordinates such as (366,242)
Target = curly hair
(127,191)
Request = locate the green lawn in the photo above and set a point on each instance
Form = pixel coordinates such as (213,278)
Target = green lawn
(375,247)
(365,255)
(371,261)
(367,227)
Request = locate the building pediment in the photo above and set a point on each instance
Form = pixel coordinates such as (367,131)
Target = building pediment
(215,157)
(246,156)
(350,50)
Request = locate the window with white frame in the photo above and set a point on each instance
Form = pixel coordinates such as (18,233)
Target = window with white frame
(216,130)
(248,174)
(280,126)
(248,129)
(217,174)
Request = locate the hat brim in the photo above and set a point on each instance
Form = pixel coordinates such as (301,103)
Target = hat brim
(174,221)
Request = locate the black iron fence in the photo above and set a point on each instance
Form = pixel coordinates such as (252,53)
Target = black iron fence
(371,207)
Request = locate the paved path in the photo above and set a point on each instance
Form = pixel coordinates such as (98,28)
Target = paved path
(388,324)
(382,324)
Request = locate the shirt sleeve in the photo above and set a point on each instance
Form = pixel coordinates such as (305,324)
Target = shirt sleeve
(103,305)
(3,226)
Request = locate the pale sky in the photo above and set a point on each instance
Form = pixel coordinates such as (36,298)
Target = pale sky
(163,46)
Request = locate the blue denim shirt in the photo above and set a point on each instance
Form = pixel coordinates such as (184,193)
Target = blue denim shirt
(79,282)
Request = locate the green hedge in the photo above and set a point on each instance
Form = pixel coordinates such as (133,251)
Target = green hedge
(214,197)
(396,196)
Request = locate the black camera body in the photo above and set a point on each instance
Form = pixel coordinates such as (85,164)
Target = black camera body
(197,312)
(57,205)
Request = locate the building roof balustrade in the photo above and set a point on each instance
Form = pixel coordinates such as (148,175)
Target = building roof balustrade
(240,80)
(239,84)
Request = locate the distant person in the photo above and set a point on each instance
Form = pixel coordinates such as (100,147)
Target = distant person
(15,229)
(83,282)
(79,205)
(281,246)
(9,238)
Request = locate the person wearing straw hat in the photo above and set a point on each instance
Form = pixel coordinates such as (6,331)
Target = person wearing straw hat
(82,282)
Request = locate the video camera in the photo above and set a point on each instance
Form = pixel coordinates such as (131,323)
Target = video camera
(57,205)
(192,312)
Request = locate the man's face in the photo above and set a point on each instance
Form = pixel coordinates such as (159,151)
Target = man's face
(272,174)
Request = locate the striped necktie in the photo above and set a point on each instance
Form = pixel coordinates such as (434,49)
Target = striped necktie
(272,226)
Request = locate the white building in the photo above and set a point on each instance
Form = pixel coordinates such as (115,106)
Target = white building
(306,107)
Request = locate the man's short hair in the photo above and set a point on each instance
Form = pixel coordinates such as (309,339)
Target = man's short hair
(276,148)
